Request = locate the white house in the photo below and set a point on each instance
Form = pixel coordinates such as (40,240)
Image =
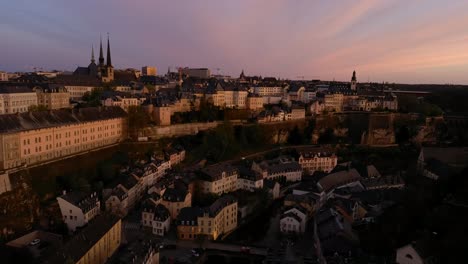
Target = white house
(78,208)
(249,180)
(293,221)
(156,217)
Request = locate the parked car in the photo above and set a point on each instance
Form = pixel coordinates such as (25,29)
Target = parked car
(35,242)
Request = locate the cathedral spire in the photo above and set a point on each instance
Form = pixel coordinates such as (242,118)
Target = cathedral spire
(101,54)
(354,76)
(109,61)
(92,54)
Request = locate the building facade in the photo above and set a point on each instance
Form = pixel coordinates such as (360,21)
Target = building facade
(293,220)
(36,137)
(176,199)
(149,71)
(212,221)
(53,98)
(78,208)
(16,99)
(317,161)
(96,243)
(219,179)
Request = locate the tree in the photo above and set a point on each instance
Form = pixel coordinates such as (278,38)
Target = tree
(137,118)
(93,98)
(37,108)
(295,136)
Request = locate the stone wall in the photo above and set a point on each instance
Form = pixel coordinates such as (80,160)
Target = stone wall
(178,130)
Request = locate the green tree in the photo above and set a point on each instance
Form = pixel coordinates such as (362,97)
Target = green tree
(37,108)
(137,118)
(295,136)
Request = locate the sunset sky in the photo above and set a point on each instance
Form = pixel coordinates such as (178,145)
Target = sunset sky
(417,41)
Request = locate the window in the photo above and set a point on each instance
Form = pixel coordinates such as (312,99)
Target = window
(409,256)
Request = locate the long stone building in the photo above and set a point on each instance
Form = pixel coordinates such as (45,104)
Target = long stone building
(36,137)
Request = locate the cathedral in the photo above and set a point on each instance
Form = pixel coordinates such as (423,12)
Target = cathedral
(102,71)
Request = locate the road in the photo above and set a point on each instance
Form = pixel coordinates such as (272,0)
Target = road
(220,246)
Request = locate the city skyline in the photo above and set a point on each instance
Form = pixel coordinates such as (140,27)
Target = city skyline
(381,40)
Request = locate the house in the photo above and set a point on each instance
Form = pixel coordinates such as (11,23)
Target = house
(156,217)
(280,167)
(213,221)
(176,199)
(339,179)
(175,155)
(95,243)
(122,198)
(293,220)
(219,179)
(317,160)
(249,180)
(273,187)
(78,208)
(187,223)
(297,112)
(308,202)
(335,233)
(384,182)
(219,218)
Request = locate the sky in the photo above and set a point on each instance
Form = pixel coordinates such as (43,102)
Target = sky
(417,41)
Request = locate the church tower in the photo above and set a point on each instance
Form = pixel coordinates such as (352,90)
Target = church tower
(109,67)
(353,81)
(105,70)
(92,67)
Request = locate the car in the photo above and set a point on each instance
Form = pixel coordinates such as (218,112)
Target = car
(35,242)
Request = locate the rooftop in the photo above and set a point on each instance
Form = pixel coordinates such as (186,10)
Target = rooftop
(83,241)
(44,119)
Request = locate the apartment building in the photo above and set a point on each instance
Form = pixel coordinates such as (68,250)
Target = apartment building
(219,218)
(53,97)
(174,155)
(235,97)
(187,223)
(249,180)
(334,102)
(78,91)
(213,221)
(36,137)
(202,73)
(156,217)
(78,208)
(280,167)
(293,220)
(296,113)
(151,172)
(176,199)
(16,99)
(122,198)
(254,102)
(96,243)
(121,101)
(317,160)
(149,71)
(219,179)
